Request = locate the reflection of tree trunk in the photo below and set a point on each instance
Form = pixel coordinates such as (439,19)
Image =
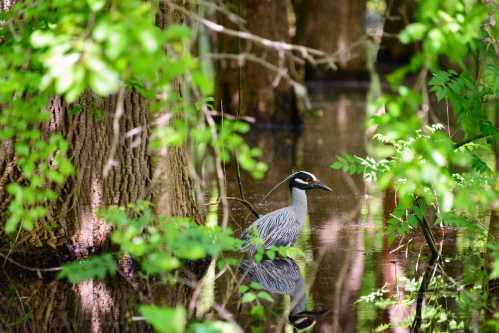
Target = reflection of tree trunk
(333,26)
(37,306)
(259,95)
(418,317)
(391,49)
(392,271)
(393,274)
(340,272)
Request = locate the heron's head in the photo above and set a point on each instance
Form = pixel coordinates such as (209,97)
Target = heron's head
(306,181)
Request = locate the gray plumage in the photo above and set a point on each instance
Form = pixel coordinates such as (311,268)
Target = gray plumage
(280,227)
(278,276)
(282,276)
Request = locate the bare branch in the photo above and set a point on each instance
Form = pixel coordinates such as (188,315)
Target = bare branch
(314,56)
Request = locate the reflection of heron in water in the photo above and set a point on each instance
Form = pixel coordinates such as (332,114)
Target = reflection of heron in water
(282,276)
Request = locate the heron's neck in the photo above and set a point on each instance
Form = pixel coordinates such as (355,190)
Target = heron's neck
(299,203)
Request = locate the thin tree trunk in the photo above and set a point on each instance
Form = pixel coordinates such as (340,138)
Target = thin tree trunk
(252,87)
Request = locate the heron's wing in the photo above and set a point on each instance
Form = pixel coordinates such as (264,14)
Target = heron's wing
(277,228)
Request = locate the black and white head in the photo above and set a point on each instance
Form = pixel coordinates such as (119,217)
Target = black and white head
(304,180)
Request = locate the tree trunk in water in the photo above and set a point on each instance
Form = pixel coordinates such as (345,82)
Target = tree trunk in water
(333,27)
(251,86)
(399,16)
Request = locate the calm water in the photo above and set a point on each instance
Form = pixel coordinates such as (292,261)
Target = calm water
(346,253)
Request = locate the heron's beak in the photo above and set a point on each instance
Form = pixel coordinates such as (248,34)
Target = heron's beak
(322,186)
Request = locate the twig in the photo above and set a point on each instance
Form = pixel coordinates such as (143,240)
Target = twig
(247,119)
(234,18)
(28,268)
(428,235)
(306,52)
(242,57)
(247,204)
(465,142)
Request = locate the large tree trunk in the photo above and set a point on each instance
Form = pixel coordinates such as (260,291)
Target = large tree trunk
(252,87)
(333,27)
(91,137)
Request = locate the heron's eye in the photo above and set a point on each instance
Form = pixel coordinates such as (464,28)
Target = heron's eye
(302,181)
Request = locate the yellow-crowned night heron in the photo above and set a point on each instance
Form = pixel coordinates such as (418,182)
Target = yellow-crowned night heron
(282,227)
(282,276)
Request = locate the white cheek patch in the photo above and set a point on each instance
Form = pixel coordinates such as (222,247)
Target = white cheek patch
(301,181)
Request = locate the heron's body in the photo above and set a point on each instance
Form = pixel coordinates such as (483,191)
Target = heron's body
(283,226)
(280,227)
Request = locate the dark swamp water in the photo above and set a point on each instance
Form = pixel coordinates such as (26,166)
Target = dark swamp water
(346,252)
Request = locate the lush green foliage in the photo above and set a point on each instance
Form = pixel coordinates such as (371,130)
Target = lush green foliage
(457,179)
(161,244)
(66,47)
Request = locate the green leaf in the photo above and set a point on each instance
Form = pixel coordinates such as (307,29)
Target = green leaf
(203,82)
(248,297)
(413,32)
(97,267)
(41,39)
(265,296)
(176,32)
(164,319)
(96,5)
(149,40)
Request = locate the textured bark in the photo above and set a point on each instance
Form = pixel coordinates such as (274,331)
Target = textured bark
(173,189)
(253,87)
(90,134)
(333,26)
